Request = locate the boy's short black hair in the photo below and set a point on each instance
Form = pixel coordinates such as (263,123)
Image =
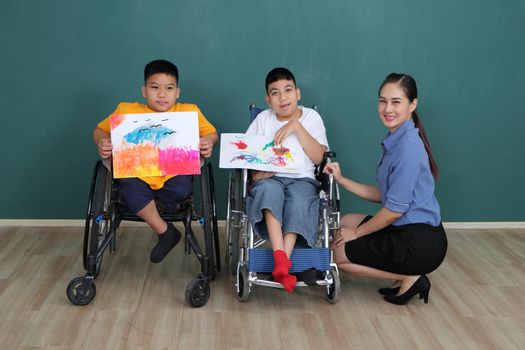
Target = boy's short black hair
(160,66)
(277,74)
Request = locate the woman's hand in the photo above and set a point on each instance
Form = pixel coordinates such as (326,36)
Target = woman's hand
(259,175)
(334,169)
(344,235)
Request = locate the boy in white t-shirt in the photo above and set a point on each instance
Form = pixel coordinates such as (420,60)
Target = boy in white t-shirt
(281,205)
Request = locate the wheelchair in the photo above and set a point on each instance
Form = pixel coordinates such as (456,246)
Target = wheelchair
(105,213)
(252,264)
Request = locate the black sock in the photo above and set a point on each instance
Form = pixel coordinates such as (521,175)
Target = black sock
(167,241)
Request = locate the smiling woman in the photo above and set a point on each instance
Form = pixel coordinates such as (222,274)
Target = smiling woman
(397,103)
(405,239)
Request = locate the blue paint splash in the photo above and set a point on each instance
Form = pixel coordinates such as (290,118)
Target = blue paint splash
(268,145)
(152,133)
(249,158)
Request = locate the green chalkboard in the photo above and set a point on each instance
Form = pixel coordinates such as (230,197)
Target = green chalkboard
(66,64)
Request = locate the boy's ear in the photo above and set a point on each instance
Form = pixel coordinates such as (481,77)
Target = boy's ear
(143,89)
(267,98)
(178,92)
(298,93)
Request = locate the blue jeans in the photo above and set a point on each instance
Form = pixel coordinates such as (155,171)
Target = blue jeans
(294,203)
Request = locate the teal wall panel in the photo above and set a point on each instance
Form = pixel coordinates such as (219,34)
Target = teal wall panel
(66,64)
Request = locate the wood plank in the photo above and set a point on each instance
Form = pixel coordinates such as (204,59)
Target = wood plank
(476,300)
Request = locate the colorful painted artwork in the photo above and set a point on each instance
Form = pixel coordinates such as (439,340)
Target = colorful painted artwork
(241,151)
(155,144)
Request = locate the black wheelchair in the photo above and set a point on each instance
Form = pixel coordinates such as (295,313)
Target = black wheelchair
(252,264)
(105,212)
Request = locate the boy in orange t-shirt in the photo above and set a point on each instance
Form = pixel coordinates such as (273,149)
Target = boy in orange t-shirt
(139,194)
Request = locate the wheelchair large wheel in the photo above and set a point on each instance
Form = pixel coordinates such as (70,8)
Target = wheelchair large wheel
(81,290)
(207,224)
(243,291)
(333,291)
(198,292)
(215,226)
(99,219)
(233,226)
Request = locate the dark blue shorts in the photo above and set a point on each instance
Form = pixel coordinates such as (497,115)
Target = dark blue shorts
(136,194)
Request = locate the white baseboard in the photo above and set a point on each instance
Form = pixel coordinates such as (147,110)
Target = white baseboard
(485,225)
(68,223)
(222,223)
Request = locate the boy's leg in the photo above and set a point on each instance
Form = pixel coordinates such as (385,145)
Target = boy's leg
(175,190)
(168,235)
(281,260)
(151,216)
(139,198)
(289,242)
(274,230)
(266,197)
(301,211)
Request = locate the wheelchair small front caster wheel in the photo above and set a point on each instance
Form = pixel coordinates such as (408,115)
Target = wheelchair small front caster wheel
(243,288)
(334,290)
(198,292)
(81,290)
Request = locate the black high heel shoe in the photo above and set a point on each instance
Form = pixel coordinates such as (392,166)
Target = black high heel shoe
(421,287)
(388,291)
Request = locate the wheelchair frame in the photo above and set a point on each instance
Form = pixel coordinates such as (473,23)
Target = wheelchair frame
(243,249)
(104,214)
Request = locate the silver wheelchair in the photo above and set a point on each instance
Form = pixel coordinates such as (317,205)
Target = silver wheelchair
(252,263)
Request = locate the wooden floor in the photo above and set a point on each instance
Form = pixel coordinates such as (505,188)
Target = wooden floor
(477,301)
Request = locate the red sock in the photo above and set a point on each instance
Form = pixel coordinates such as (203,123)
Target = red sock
(288,281)
(281,264)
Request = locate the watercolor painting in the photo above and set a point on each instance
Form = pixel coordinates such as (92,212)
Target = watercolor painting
(241,151)
(155,144)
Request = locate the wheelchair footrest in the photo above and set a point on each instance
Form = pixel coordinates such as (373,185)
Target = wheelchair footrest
(261,260)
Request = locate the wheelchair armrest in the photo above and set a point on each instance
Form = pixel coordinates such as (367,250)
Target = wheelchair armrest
(319,175)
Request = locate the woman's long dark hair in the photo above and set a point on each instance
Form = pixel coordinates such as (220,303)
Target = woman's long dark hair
(408,84)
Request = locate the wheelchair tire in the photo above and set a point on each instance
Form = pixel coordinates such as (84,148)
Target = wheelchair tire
(215,226)
(80,291)
(228,219)
(100,219)
(243,292)
(198,292)
(207,215)
(234,228)
(333,291)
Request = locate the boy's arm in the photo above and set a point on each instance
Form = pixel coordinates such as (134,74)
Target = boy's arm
(103,141)
(206,144)
(313,149)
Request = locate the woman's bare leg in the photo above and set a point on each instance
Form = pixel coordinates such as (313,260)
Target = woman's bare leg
(402,281)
